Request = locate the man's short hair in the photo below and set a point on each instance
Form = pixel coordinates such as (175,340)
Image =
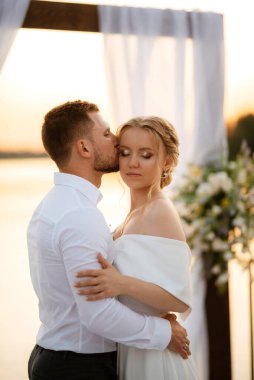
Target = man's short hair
(63,125)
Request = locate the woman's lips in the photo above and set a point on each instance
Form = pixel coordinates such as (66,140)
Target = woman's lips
(130,174)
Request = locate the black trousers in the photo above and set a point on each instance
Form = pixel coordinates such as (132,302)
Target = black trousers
(66,365)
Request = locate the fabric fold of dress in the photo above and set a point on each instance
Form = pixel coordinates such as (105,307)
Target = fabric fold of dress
(166,263)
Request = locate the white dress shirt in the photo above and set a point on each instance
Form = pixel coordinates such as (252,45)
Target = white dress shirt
(64,236)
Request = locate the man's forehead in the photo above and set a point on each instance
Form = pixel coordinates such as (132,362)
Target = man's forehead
(100,126)
(100,123)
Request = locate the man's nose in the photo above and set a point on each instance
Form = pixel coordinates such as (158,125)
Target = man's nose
(114,140)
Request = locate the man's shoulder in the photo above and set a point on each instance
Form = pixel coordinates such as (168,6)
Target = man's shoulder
(63,200)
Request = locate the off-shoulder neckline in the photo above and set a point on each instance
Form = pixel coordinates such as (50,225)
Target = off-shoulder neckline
(181,242)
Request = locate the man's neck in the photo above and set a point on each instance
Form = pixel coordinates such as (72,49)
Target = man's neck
(93,177)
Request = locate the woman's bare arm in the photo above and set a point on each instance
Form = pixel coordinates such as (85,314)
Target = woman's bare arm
(98,284)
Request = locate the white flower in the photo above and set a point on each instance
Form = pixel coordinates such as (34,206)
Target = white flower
(227,255)
(215,181)
(242,177)
(215,269)
(204,190)
(216,210)
(198,223)
(240,206)
(232,165)
(219,245)
(220,181)
(239,222)
(222,279)
(210,235)
(227,184)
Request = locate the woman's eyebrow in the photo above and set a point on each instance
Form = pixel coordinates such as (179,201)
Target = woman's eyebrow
(140,149)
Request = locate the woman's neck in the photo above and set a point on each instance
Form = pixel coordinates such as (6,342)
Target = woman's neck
(140,198)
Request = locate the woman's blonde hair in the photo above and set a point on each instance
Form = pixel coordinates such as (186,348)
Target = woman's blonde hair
(164,133)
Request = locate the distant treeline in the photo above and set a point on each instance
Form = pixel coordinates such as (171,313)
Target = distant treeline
(4,155)
(244,130)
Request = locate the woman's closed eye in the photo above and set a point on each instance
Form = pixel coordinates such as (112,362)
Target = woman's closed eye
(124,152)
(127,152)
(146,155)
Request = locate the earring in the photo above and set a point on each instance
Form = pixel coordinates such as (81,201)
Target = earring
(164,174)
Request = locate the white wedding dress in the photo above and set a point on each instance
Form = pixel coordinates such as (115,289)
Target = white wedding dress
(164,262)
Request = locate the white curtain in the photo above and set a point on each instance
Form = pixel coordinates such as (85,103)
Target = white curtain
(171,64)
(12,14)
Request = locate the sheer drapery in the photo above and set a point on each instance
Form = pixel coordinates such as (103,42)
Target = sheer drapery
(171,63)
(12,14)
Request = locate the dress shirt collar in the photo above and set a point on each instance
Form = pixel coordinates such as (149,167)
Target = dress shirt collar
(80,184)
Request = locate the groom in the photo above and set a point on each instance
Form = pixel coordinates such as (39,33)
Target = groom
(76,339)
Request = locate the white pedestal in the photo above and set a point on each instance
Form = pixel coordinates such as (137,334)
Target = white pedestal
(240,318)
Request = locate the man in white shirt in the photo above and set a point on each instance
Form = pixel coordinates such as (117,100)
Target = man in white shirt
(76,340)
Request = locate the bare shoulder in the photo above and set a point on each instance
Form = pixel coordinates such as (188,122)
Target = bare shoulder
(162,219)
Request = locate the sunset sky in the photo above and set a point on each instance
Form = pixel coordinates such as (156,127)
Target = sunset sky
(45,68)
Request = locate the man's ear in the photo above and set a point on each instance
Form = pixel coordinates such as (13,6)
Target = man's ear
(84,148)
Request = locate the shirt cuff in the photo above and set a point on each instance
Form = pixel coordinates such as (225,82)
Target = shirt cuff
(162,334)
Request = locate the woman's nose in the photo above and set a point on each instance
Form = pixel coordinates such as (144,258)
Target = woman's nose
(133,161)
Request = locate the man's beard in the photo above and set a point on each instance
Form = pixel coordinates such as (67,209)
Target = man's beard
(105,165)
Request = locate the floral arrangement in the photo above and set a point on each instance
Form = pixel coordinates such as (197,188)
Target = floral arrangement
(216,205)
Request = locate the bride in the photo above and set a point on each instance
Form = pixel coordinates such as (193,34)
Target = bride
(151,256)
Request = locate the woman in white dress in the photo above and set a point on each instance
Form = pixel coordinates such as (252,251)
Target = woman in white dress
(150,252)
